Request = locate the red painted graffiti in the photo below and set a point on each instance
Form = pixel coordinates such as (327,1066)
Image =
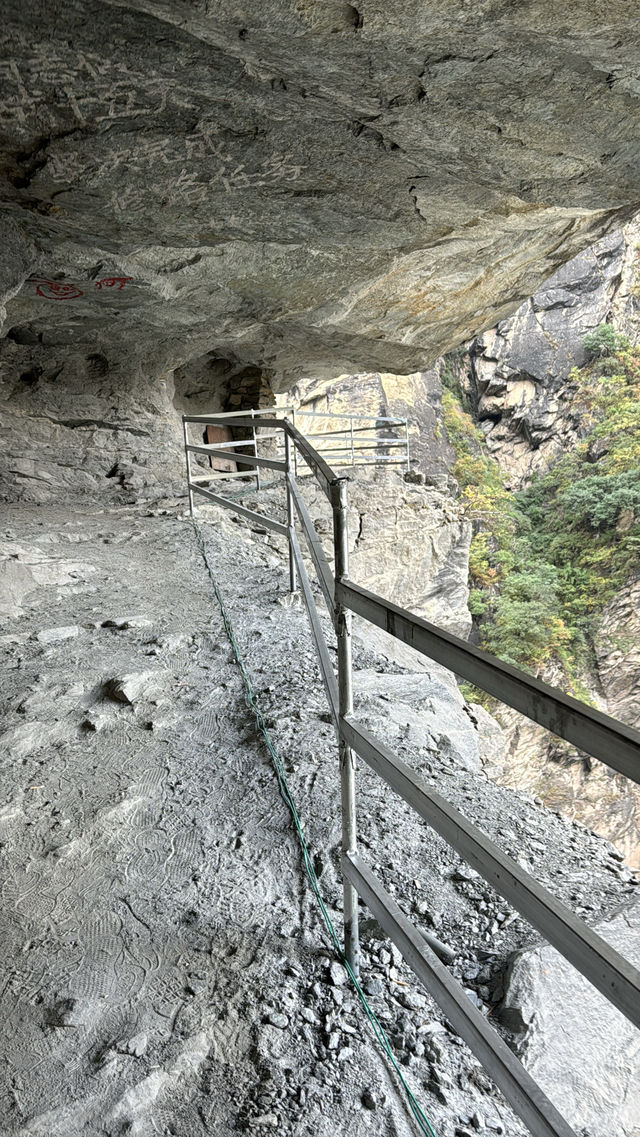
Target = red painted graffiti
(56,290)
(61,290)
(113,282)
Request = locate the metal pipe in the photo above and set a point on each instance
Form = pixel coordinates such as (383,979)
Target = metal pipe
(356,418)
(345,699)
(321,564)
(220,417)
(293,583)
(319,642)
(257,518)
(188,461)
(406,434)
(235,456)
(255,451)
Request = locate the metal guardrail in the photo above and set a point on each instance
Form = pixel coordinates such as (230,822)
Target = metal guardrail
(604,738)
(357,444)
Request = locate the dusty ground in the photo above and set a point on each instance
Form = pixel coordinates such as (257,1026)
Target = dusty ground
(164,968)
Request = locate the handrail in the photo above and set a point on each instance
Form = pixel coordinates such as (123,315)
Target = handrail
(518,1087)
(606,739)
(323,572)
(233,455)
(615,978)
(601,736)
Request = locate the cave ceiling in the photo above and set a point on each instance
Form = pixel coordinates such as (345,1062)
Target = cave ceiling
(305,185)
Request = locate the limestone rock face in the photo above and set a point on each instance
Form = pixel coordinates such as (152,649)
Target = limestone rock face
(408,543)
(618,654)
(567,1033)
(567,779)
(416,398)
(306,186)
(520,368)
(408,540)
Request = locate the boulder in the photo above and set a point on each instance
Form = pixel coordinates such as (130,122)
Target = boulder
(584,1053)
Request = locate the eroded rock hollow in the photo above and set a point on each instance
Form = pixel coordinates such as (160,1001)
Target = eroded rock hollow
(301,186)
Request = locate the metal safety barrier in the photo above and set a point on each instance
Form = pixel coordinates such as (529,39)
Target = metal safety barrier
(602,737)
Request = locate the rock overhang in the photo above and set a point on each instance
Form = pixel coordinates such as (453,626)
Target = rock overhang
(309,186)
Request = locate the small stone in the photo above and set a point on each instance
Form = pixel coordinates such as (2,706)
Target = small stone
(265,1119)
(334,1040)
(58,635)
(277,1019)
(96,722)
(137,1045)
(372,1099)
(412,1000)
(122,623)
(133,687)
(465,875)
(373,986)
(337,974)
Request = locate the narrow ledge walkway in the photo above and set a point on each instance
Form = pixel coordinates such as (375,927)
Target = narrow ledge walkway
(163,967)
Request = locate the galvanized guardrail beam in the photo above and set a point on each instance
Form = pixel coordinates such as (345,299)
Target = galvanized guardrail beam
(250,514)
(518,1087)
(324,574)
(604,738)
(326,667)
(616,978)
(325,475)
(234,456)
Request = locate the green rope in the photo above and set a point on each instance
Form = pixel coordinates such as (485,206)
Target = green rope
(378,1030)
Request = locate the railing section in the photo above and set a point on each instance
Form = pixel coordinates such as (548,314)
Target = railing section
(602,737)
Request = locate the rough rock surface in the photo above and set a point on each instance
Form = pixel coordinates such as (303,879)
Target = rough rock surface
(519,369)
(517,379)
(407,542)
(565,1032)
(165,965)
(416,398)
(567,779)
(618,654)
(304,185)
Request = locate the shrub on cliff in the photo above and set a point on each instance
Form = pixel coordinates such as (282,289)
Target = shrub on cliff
(598,502)
(603,341)
(544,561)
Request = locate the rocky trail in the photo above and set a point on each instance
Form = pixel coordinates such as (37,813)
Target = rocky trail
(164,967)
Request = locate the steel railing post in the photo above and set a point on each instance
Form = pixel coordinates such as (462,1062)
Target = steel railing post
(188,461)
(293,578)
(255,449)
(406,439)
(345,701)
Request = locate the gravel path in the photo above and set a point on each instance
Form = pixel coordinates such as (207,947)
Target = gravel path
(164,969)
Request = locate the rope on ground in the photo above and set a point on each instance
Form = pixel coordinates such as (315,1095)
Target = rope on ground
(378,1030)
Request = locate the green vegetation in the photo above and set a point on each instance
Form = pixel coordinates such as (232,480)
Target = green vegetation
(545,561)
